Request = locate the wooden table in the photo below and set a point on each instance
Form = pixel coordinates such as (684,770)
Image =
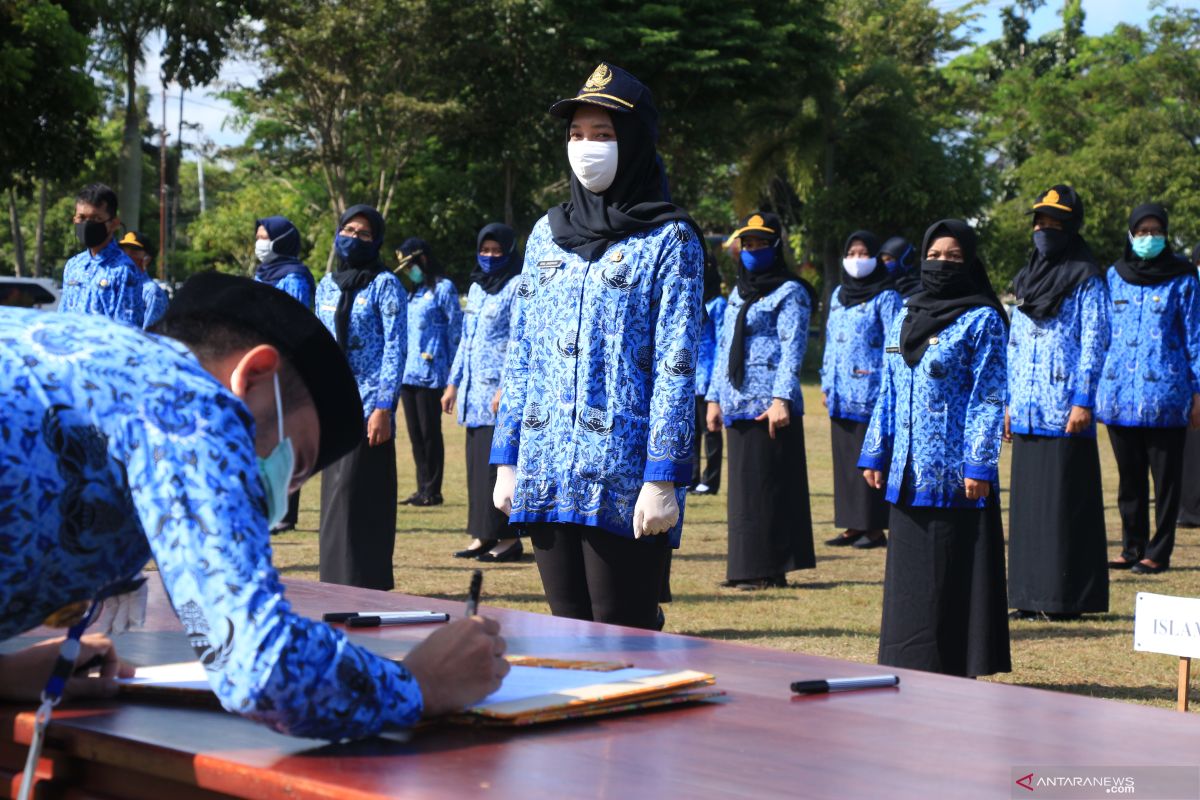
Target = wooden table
(933,737)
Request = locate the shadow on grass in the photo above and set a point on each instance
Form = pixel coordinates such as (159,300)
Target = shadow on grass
(1042,630)
(731,634)
(1159,693)
(819,585)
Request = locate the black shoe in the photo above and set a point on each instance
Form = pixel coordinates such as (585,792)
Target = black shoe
(1121,564)
(513,553)
(424,501)
(475,552)
(845,539)
(660,619)
(1026,614)
(1142,568)
(411,499)
(867,543)
(282,527)
(754,584)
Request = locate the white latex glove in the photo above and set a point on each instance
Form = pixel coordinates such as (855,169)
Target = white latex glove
(656,510)
(506,484)
(124,612)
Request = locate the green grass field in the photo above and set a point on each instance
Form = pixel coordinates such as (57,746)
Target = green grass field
(832,610)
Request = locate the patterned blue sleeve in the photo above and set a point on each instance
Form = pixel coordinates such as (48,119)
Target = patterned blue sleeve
(679,294)
(792,329)
(448,297)
(985,404)
(889,306)
(156,300)
(827,355)
(1190,304)
(298,286)
(194,482)
(506,440)
(1094,337)
(720,373)
(393,316)
(456,366)
(881,430)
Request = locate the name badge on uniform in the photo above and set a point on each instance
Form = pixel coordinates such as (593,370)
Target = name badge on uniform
(891,349)
(550,264)
(1120,302)
(328,308)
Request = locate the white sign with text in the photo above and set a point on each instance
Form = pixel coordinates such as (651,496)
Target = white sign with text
(1165,624)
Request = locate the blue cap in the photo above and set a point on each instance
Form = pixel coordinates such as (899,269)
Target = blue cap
(612,88)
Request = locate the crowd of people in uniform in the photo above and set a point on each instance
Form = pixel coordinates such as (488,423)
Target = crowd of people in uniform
(595,375)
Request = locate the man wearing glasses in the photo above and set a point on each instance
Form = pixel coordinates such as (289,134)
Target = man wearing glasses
(101,279)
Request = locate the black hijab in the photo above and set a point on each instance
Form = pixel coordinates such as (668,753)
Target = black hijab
(285,251)
(492,282)
(753,286)
(431,268)
(1153,271)
(635,202)
(906,275)
(860,290)
(352,278)
(949,290)
(1045,281)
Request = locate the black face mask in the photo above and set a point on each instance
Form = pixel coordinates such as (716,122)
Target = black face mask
(1051,243)
(945,279)
(91,233)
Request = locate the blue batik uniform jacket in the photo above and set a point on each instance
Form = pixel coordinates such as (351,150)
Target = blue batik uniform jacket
(1055,363)
(710,334)
(776,336)
(377,337)
(119,447)
(107,284)
(155,299)
(297,284)
(853,358)
(434,327)
(940,422)
(1153,366)
(480,357)
(600,380)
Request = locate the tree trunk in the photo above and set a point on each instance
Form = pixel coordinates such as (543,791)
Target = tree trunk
(831,269)
(130,175)
(14,217)
(39,257)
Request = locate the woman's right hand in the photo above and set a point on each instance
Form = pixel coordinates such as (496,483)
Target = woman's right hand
(713,418)
(449,398)
(874,478)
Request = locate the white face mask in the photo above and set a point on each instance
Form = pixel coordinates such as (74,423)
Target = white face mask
(262,249)
(858,267)
(594,163)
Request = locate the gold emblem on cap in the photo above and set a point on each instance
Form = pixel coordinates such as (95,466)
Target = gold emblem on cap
(599,78)
(756,221)
(1052,197)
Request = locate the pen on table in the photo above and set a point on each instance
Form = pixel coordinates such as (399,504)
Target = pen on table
(396,618)
(845,684)
(473,592)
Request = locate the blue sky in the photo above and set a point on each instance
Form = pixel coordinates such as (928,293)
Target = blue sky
(204,108)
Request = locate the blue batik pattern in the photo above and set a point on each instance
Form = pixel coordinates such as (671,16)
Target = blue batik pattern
(481,351)
(853,358)
(118,447)
(600,380)
(377,337)
(710,334)
(939,422)
(434,327)
(776,337)
(299,285)
(106,284)
(1055,363)
(155,299)
(1153,366)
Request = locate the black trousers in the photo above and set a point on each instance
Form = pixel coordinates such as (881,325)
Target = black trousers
(1159,451)
(423,418)
(358,517)
(712,445)
(293,509)
(588,573)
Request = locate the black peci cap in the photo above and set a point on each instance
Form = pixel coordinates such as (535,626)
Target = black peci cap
(765,226)
(613,88)
(296,332)
(1060,202)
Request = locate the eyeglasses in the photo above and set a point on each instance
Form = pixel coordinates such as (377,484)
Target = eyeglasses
(1149,232)
(78,219)
(362,234)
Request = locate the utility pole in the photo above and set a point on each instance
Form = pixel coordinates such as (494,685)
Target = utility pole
(162,188)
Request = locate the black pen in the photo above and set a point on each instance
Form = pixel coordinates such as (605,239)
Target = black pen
(396,618)
(845,684)
(473,592)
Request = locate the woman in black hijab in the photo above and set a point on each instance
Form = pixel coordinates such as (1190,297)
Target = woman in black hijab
(903,264)
(1060,333)
(1189,503)
(861,311)
(362,304)
(934,438)
(1147,395)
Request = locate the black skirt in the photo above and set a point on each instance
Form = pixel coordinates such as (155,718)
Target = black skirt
(1189,495)
(1057,545)
(770,524)
(944,606)
(856,506)
(358,517)
(484,521)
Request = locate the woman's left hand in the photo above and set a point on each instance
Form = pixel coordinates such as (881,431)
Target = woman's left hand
(977,490)
(496,401)
(777,416)
(379,427)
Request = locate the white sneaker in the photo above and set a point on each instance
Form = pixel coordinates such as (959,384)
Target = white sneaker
(701,488)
